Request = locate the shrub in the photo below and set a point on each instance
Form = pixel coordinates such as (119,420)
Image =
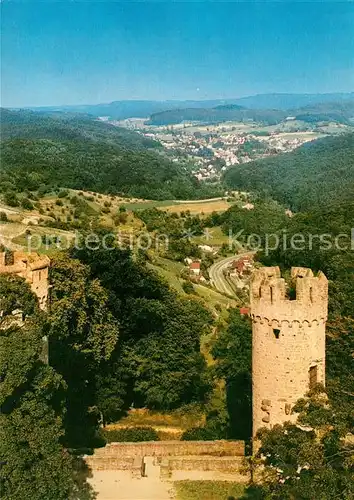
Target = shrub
(198,434)
(59,203)
(3,217)
(63,193)
(131,434)
(10,198)
(42,190)
(188,287)
(26,204)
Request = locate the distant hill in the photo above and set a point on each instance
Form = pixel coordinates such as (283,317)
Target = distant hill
(26,124)
(217,115)
(119,110)
(340,112)
(316,174)
(291,101)
(40,151)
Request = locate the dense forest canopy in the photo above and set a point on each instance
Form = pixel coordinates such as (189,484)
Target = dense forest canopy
(81,153)
(313,175)
(26,124)
(218,114)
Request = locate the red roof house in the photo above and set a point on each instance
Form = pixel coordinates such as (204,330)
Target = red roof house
(194,268)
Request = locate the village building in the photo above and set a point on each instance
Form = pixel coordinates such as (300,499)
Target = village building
(194,268)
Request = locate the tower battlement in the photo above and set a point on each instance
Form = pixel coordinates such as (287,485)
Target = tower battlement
(269,301)
(33,268)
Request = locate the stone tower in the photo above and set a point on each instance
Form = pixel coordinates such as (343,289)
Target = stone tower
(288,342)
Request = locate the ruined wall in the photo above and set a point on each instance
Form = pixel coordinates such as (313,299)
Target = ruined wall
(221,460)
(179,468)
(33,268)
(288,342)
(172,448)
(134,465)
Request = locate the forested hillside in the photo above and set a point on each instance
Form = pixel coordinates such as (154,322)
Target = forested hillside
(68,126)
(315,174)
(340,112)
(218,114)
(85,154)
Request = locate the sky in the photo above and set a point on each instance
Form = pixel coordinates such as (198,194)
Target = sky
(84,52)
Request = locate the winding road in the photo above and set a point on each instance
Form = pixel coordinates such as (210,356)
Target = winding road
(216,274)
(217,277)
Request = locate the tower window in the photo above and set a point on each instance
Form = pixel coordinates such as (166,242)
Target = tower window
(313,376)
(276,332)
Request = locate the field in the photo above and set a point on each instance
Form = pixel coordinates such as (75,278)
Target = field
(208,490)
(169,426)
(213,237)
(174,421)
(178,206)
(169,276)
(144,204)
(202,207)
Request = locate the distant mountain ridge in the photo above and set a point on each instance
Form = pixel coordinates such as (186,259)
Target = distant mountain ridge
(119,110)
(340,112)
(217,115)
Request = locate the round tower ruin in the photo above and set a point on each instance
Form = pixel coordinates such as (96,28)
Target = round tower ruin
(288,342)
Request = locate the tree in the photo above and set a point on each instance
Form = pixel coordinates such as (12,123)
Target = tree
(15,295)
(233,355)
(157,360)
(310,458)
(32,396)
(82,336)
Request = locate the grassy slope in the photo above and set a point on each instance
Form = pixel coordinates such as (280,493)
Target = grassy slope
(208,490)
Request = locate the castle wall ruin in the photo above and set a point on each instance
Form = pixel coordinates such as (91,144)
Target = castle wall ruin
(171,459)
(33,268)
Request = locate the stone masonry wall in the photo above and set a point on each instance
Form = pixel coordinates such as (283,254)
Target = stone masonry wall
(288,338)
(135,465)
(172,448)
(223,464)
(33,268)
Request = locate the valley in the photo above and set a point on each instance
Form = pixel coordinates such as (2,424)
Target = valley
(177,250)
(150,280)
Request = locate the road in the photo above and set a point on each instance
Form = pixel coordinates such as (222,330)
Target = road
(217,277)
(206,200)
